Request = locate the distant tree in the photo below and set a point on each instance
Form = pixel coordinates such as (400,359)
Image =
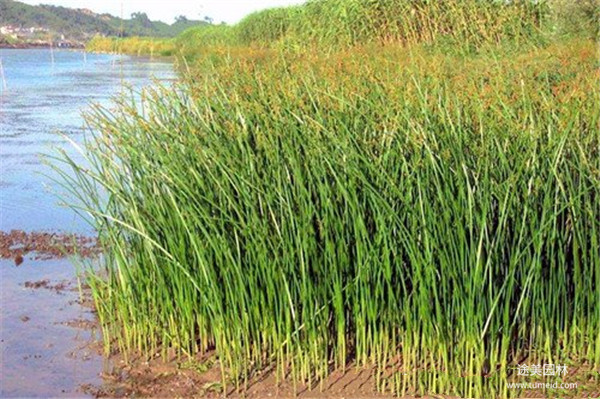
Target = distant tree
(208,19)
(79,25)
(142,16)
(142,19)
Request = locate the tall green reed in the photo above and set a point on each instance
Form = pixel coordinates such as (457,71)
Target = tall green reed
(433,218)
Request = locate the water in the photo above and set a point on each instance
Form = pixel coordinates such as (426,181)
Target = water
(42,356)
(42,99)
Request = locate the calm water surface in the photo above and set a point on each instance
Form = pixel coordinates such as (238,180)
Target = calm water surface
(42,96)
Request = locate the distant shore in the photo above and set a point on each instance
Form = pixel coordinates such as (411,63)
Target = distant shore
(24,46)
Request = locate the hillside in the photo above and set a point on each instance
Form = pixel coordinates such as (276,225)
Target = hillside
(81,24)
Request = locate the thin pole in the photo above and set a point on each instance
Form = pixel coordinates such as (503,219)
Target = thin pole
(118,48)
(4,85)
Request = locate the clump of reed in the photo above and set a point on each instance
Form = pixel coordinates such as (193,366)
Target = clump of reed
(576,17)
(133,46)
(330,24)
(462,22)
(192,42)
(267,27)
(428,216)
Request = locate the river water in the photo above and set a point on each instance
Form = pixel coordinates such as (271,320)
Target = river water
(42,96)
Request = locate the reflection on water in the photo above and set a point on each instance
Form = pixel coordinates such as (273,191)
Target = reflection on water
(40,355)
(44,99)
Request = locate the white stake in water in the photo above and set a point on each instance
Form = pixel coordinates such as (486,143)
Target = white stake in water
(4,85)
(52,52)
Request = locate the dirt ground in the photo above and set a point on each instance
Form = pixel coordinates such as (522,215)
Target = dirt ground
(156,379)
(202,379)
(175,379)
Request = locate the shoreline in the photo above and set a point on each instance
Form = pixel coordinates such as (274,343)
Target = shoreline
(30,46)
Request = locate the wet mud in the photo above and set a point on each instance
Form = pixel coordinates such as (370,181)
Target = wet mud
(17,244)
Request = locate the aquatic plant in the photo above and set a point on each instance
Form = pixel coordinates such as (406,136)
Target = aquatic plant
(465,25)
(133,46)
(462,22)
(266,27)
(432,217)
(390,201)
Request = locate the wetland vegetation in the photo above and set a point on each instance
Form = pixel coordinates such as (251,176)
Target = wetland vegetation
(411,187)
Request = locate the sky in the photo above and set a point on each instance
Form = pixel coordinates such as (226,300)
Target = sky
(230,11)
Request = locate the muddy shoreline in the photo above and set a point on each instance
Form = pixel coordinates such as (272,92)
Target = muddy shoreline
(165,375)
(16,244)
(200,376)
